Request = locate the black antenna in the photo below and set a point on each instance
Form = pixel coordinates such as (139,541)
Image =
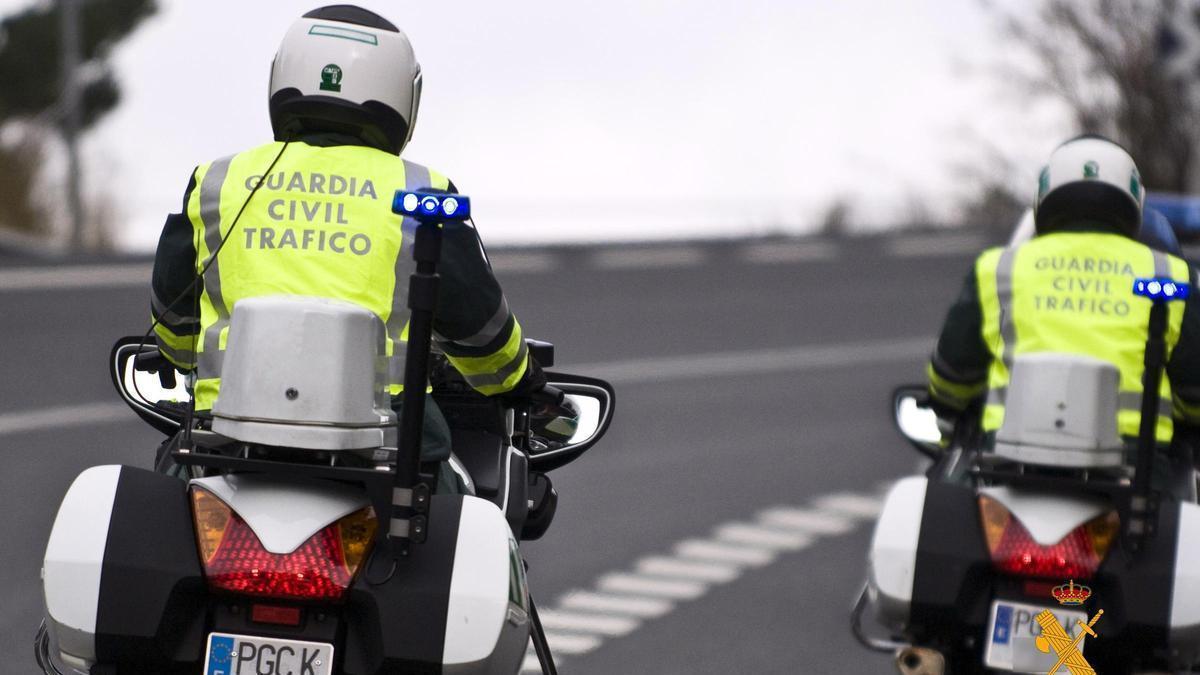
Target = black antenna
(1143,507)
(411,490)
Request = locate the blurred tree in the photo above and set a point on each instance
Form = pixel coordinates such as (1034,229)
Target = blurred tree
(31,53)
(836,220)
(1104,59)
(20,159)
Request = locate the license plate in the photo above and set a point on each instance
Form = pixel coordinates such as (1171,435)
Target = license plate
(249,655)
(1012,633)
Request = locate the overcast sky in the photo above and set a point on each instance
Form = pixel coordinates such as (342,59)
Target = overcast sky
(627,118)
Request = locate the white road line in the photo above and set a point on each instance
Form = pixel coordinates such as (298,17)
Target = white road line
(664,566)
(727,553)
(531,663)
(570,644)
(517,262)
(752,535)
(851,504)
(805,520)
(648,258)
(779,253)
(753,362)
(659,588)
(648,608)
(83,276)
(620,601)
(667,368)
(932,245)
(64,416)
(611,626)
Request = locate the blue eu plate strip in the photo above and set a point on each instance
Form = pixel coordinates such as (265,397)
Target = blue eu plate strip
(1161,288)
(1003,630)
(220,655)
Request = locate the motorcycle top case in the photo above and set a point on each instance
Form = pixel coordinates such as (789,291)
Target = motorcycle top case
(121,575)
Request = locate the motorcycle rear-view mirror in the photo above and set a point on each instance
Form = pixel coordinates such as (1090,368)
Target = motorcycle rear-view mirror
(142,379)
(595,401)
(916,421)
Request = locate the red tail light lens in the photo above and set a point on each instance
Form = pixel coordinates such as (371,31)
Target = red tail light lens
(1076,556)
(322,568)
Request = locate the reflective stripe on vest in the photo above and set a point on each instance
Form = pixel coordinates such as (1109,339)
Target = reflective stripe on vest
(1079,286)
(320,224)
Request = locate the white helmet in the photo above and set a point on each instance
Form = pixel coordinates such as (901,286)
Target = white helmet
(346,69)
(1090,178)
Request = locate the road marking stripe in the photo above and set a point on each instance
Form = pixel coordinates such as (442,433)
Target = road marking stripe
(641,585)
(789,252)
(648,258)
(761,361)
(617,604)
(612,626)
(518,262)
(753,535)
(712,550)
(617,372)
(854,505)
(805,520)
(531,663)
(932,245)
(571,644)
(63,417)
(81,276)
(674,567)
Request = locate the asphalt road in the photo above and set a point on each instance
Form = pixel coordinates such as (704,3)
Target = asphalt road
(717,434)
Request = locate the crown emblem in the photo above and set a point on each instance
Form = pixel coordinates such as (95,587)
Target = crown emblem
(1071,593)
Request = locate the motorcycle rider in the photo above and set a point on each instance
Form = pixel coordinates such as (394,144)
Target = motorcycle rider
(1068,290)
(312,214)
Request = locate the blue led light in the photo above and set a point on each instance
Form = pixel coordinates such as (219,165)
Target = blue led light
(1161,288)
(432,206)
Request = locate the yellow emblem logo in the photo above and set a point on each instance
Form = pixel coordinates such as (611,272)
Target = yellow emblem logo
(1069,651)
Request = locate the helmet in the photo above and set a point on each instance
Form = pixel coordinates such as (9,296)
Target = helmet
(348,70)
(1090,178)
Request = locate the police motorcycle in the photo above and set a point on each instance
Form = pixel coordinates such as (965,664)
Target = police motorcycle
(305,537)
(965,559)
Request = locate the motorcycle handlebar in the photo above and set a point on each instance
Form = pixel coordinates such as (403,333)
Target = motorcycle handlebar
(550,394)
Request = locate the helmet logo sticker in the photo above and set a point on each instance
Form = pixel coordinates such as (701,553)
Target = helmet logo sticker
(331,78)
(1044,182)
(1091,170)
(1135,184)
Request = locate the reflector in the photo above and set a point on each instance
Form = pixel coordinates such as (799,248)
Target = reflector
(1077,555)
(211,516)
(322,568)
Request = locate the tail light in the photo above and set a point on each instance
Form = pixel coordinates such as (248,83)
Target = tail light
(321,568)
(1076,556)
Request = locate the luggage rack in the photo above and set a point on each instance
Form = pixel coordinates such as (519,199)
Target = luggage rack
(1110,482)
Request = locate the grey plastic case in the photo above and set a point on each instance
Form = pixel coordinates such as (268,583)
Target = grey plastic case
(305,372)
(1061,410)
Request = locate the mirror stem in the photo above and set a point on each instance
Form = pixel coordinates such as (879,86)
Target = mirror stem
(189,413)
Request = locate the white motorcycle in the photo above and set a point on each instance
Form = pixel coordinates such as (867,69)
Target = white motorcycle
(305,537)
(1043,549)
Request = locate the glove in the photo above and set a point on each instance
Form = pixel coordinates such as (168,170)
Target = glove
(552,425)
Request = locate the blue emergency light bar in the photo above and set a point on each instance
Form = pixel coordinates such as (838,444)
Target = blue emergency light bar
(1161,288)
(432,206)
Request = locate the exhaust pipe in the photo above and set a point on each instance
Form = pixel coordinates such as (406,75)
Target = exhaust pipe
(920,661)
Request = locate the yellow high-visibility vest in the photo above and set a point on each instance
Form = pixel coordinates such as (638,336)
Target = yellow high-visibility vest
(1072,293)
(321,224)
